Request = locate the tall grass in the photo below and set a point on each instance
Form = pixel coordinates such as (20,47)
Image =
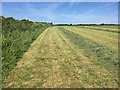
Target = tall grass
(17,36)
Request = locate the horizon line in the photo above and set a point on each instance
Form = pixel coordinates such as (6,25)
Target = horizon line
(56,23)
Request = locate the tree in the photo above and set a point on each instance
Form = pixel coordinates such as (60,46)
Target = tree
(51,23)
(102,23)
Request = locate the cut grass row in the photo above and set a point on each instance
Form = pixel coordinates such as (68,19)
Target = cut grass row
(83,70)
(104,55)
(109,27)
(107,34)
(113,29)
(105,38)
(62,58)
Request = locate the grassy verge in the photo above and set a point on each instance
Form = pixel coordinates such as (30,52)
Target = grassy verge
(17,36)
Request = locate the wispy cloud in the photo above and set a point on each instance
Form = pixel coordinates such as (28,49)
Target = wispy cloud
(46,12)
(92,15)
(63,12)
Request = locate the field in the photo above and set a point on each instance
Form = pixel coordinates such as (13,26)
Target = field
(108,28)
(69,56)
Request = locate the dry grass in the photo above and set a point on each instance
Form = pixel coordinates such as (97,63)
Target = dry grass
(56,60)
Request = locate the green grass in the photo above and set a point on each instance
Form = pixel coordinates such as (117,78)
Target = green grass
(108,39)
(60,57)
(17,36)
(104,56)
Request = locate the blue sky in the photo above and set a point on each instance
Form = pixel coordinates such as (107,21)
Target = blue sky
(63,12)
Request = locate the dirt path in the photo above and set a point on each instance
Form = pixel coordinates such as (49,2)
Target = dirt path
(52,61)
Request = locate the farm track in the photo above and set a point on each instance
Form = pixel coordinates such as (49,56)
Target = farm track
(56,60)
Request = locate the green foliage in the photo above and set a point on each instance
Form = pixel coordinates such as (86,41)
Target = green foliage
(61,25)
(17,35)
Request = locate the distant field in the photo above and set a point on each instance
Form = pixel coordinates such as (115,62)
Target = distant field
(17,36)
(69,56)
(103,28)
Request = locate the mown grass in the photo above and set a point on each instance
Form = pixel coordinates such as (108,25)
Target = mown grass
(100,32)
(60,62)
(84,71)
(109,27)
(17,36)
(103,56)
(113,29)
(108,39)
(37,62)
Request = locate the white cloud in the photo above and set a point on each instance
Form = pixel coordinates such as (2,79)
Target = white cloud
(47,12)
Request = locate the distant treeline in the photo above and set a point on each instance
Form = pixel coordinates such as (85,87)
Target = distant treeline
(85,24)
(17,36)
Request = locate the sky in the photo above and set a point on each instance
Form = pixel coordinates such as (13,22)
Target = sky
(63,12)
(60,0)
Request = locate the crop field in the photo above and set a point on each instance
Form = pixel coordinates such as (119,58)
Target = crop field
(69,56)
(109,28)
